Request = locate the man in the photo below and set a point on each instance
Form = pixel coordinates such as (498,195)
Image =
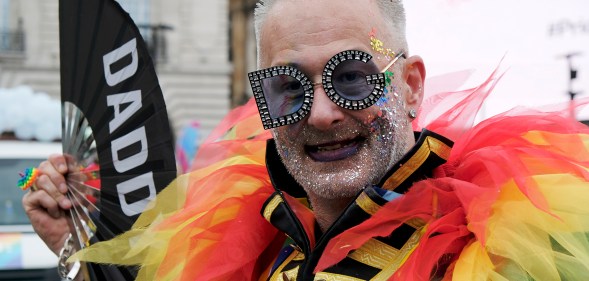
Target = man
(339,147)
(353,161)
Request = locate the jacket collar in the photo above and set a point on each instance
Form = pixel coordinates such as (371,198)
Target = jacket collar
(286,212)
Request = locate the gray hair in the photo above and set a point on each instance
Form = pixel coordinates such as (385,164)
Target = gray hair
(392,11)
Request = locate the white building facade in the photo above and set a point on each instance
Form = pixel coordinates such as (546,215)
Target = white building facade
(192,52)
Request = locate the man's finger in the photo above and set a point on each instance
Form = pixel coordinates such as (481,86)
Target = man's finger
(58,161)
(46,183)
(40,202)
(55,167)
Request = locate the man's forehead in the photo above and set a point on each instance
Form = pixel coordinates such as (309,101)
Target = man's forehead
(293,25)
(323,8)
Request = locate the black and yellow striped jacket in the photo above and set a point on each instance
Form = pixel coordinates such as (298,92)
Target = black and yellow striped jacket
(378,259)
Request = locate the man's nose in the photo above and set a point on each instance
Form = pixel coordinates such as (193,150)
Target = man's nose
(324,113)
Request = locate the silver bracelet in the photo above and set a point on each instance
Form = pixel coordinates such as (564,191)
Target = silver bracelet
(64,254)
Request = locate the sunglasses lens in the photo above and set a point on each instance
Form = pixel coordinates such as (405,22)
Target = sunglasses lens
(284,95)
(349,79)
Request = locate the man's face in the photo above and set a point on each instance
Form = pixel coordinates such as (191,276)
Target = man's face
(335,152)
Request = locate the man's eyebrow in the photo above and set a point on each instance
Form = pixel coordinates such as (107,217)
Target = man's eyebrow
(292,64)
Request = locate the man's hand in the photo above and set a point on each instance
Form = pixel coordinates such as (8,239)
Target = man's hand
(46,206)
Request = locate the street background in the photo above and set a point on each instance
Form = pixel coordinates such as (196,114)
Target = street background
(533,36)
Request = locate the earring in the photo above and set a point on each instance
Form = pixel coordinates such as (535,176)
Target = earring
(412,113)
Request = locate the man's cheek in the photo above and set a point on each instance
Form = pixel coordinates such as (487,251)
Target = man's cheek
(287,133)
(283,142)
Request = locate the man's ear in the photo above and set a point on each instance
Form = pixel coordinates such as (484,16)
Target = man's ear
(414,76)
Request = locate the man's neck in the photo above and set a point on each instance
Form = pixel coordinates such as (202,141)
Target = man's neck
(327,210)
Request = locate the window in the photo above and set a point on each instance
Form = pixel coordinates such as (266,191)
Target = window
(12,35)
(153,34)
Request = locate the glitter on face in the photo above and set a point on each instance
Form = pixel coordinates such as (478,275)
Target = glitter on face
(383,130)
(383,99)
(377,137)
(388,77)
(378,46)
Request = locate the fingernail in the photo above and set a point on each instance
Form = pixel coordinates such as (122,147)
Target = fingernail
(63,188)
(65,204)
(62,167)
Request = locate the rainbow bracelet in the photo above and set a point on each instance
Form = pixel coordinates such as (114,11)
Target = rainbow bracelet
(28,178)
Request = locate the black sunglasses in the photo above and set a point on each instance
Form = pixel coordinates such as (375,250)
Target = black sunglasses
(284,94)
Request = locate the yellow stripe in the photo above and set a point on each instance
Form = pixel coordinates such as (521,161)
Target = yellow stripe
(429,145)
(439,148)
(374,253)
(272,206)
(366,204)
(291,274)
(403,255)
(415,223)
(324,276)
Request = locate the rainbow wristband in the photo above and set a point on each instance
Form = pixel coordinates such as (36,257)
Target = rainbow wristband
(28,178)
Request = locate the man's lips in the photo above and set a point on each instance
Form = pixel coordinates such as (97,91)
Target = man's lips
(334,151)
